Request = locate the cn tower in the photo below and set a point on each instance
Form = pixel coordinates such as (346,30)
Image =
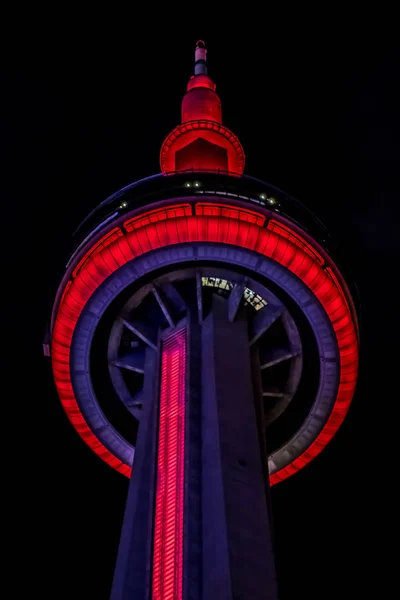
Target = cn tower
(204,343)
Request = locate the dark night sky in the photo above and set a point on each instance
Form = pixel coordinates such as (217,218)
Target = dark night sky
(317,114)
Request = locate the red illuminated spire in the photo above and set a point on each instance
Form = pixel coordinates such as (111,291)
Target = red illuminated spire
(201,142)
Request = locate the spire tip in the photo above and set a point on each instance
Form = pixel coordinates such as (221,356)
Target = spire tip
(200,58)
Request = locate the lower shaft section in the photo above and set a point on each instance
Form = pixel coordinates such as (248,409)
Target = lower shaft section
(132,570)
(197,524)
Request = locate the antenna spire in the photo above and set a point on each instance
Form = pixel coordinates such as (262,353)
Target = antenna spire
(200,59)
(201,142)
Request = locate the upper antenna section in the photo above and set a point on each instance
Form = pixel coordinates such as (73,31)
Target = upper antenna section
(200,58)
(201,142)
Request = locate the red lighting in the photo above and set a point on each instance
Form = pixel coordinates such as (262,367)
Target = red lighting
(288,233)
(200,81)
(158,214)
(105,241)
(168,523)
(201,142)
(230,211)
(229,229)
(183,135)
(201,101)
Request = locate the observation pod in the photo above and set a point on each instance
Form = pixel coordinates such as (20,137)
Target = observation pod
(204,343)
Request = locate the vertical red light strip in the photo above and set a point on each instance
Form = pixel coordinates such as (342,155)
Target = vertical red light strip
(168,525)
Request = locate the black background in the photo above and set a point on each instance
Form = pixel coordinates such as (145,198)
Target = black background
(315,105)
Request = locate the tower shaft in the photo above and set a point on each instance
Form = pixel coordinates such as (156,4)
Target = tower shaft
(238,559)
(197,523)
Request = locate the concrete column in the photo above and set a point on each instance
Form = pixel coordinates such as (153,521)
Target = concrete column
(192,548)
(238,561)
(133,567)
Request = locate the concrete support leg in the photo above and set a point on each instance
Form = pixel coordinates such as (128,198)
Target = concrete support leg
(132,571)
(192,572)
(238,561)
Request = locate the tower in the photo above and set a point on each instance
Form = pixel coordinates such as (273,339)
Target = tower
(204,343)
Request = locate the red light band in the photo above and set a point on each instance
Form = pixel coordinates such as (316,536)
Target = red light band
(197,228)
(168,523)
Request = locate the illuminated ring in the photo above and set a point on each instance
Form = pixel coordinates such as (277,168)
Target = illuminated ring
(145,265)
(227,230)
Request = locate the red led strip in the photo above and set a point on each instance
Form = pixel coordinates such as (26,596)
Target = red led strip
(284,231)
(102,243)
(168,523)
(197,228)
(158,214)
(224,211)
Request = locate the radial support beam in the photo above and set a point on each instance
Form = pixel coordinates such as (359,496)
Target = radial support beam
(135,403)
(277,408)
(131,576)
(273,394)
(136,412)
(137,399)
(132,403)
(146,334)
(292,333)
(263,321)
(238,558)
(236,298)
(174,298)
(164,305)
(134,361)
(275,356)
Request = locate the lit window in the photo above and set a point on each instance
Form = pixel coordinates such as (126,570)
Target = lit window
(250,297)
(255,300)
(217,283)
